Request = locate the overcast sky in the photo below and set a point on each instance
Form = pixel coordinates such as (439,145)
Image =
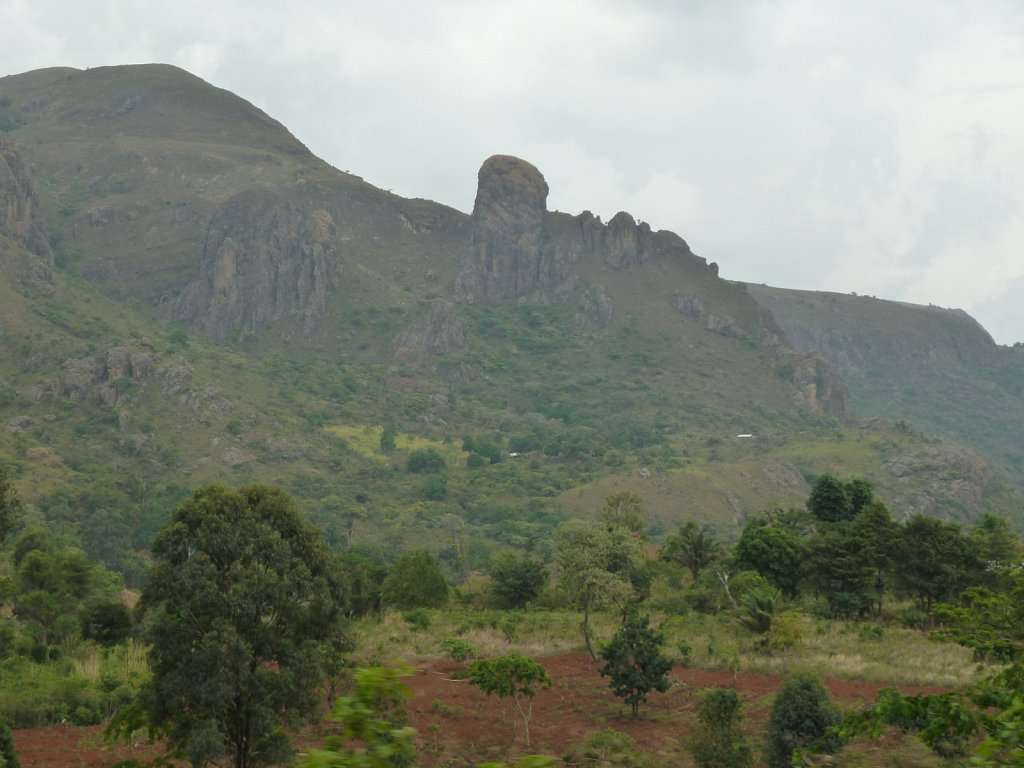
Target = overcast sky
(869,147)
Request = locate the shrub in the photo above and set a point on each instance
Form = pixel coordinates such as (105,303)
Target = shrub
(425,460)
(8,756)
(516,580)
(415,581)
(418,619)
(717,741)
(802,713)
(608,748)
(458,650)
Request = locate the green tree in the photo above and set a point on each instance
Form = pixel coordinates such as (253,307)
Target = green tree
(634,663)
(775,551)
(717,741)
(933,560)
(424,461)
(8,755)
(52,585)
(374,731)
(692,547)
(10,506)
(757,611)
(387,439)
(595,565)
(415,581)
(829,500)
(242,606)
(625,510)
(516,579)
(801,715)
(510,677)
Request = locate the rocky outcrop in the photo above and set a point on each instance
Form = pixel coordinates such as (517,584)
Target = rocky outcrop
(519,250)
(441,331)
(723,325)
(105,377)
(818,387)
(20,217)
(119,375)
(510,252)
(22,222)
(265,257)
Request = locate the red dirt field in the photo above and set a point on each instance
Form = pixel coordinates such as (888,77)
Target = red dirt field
(460,726)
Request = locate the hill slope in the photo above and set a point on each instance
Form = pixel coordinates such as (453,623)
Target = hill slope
(934,367)
(189,295)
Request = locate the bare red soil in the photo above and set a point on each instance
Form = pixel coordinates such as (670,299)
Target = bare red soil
(460,726)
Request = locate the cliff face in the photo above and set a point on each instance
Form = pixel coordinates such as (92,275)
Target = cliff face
(20,217)
(265,257)
(520,250)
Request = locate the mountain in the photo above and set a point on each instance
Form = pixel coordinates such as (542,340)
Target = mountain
(936,368)
(189,295)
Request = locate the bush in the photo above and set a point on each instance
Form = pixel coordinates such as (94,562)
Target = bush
(802,714)
(8,756)
(458,650)
(516,580)
(717,741)
(417,619)
(425,460)
(608,748)
(415,581)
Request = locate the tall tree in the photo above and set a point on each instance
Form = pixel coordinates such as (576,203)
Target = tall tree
(595,565)
(634,663)
(775,551)
(934,560)
(829,500)
(243,603)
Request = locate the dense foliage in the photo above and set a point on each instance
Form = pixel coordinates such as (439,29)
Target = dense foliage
(243,609)
(634,663)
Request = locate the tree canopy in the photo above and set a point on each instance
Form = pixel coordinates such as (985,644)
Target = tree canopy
(596,565)
(243,605)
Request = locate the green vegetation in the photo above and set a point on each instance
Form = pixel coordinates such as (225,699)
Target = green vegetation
(474,478)
(718,742)
(374,733)
(634,663)
(512,676)
(802,714)
(243,608)
(597,565)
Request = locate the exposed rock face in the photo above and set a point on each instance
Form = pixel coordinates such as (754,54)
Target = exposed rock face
(264,258)
(20,218)
(508,255)
(103,377)
(818,386)
(440,332)
(720,324)
(521,251)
